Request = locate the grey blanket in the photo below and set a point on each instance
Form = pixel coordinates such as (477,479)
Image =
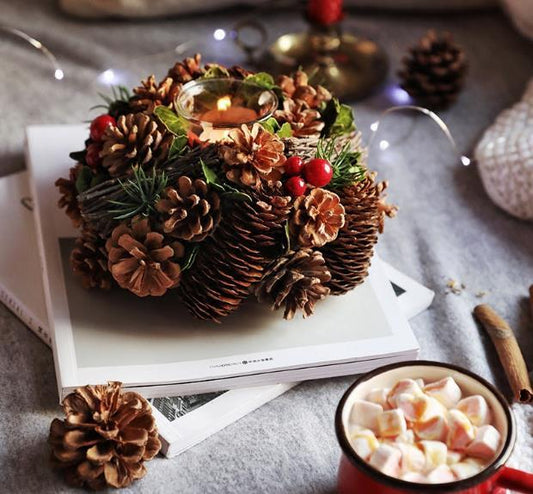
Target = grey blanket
(447,228)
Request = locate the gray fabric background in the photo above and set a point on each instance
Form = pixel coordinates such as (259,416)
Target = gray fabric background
(447,228)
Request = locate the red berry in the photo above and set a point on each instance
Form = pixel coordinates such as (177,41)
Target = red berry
(318,172)
(294,165)
(325,12)
(92,157)
(295,186)
(99,125)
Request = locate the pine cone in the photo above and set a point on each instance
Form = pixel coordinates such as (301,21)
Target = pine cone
(296,281)
(298,88)
(137,139)
(143,261)
(433,72)
(252,155)
(190,210)
(348,257)
(150,94)
(233,259)
(304,121)
(187,70)
(69,195)
(317,218)
(105,439)
(89,261)
(238,72)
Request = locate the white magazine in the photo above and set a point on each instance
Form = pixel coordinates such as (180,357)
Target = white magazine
(183,421)
(152,345)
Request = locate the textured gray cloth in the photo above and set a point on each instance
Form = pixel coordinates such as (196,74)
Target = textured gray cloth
(447,228)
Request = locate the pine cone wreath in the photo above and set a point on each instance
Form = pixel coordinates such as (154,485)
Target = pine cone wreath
(69,196)
(298,88)
(252,155)
(348,257)
(89,261)
(151,94)
(295,281)
(187,70)
(137,139)
(143,261)
(317,218)
(105,439)
(190,209)
(433,73)
(304,121)
(233,259)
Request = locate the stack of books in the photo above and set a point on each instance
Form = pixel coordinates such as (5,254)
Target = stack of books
(153,346)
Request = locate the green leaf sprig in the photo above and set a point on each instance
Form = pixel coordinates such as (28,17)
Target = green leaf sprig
(338,118)
(226,190)
(118,103)
(272,125)
(177,126)
(346,165)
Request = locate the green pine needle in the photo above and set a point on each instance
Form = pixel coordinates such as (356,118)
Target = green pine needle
(347,169)
(142,192)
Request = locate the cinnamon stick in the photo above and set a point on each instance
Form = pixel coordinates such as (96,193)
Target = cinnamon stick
(509,352)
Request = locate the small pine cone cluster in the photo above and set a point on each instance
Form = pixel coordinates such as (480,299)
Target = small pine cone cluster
(304,121)
(143,261)
(297,87)
(245,242)
(105,439)
(296,281)
(348,257)
(252,155)
(151,94)
(433,73)
(137,140)
(89,261)
(190,209)
(69,196)
(317,218)
(187,70)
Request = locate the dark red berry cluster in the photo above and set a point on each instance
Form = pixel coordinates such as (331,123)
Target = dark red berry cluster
(97,131)
(316,172)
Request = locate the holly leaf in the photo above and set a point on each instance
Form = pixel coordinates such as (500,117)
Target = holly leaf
(174,124)
(79,156)
(191,257)
(285,130)
(178,145)
(338,118)
(226,190)
(262,79)
(84,179)
(211,177)
(272,125)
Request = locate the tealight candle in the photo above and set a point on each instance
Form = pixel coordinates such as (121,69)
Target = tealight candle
(214,106)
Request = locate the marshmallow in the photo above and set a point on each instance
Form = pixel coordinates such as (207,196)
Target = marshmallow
(465,469)
(413,460)
(364,443)
(392,423)
(415,477)
(440,475)
(379,396)
(404,386)
(453,457)
(446,391)
(386,459)
(434,429)
(420,382)
(435,453)
(486,442)
(365,414)
(407,437)
(460,430)
(420,407)
(476,409)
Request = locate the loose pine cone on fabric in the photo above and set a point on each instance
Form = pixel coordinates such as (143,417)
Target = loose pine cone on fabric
(317,218)
(304,121)
(252,155)
(187,70)
(105,439)
(143,261)
(69,196)
(348,257)
(296,281)
(150,94)
(233,259)
(297,87)
(89,261)
(433,73)
(190,209)
(137,139)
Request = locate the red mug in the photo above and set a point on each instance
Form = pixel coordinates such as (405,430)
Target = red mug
(356,476)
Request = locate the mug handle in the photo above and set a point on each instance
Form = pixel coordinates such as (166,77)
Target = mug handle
(515,480)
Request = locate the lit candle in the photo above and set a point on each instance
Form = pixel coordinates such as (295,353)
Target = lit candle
(227,114)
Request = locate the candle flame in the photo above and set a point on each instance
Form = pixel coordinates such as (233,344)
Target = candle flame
(223,103)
